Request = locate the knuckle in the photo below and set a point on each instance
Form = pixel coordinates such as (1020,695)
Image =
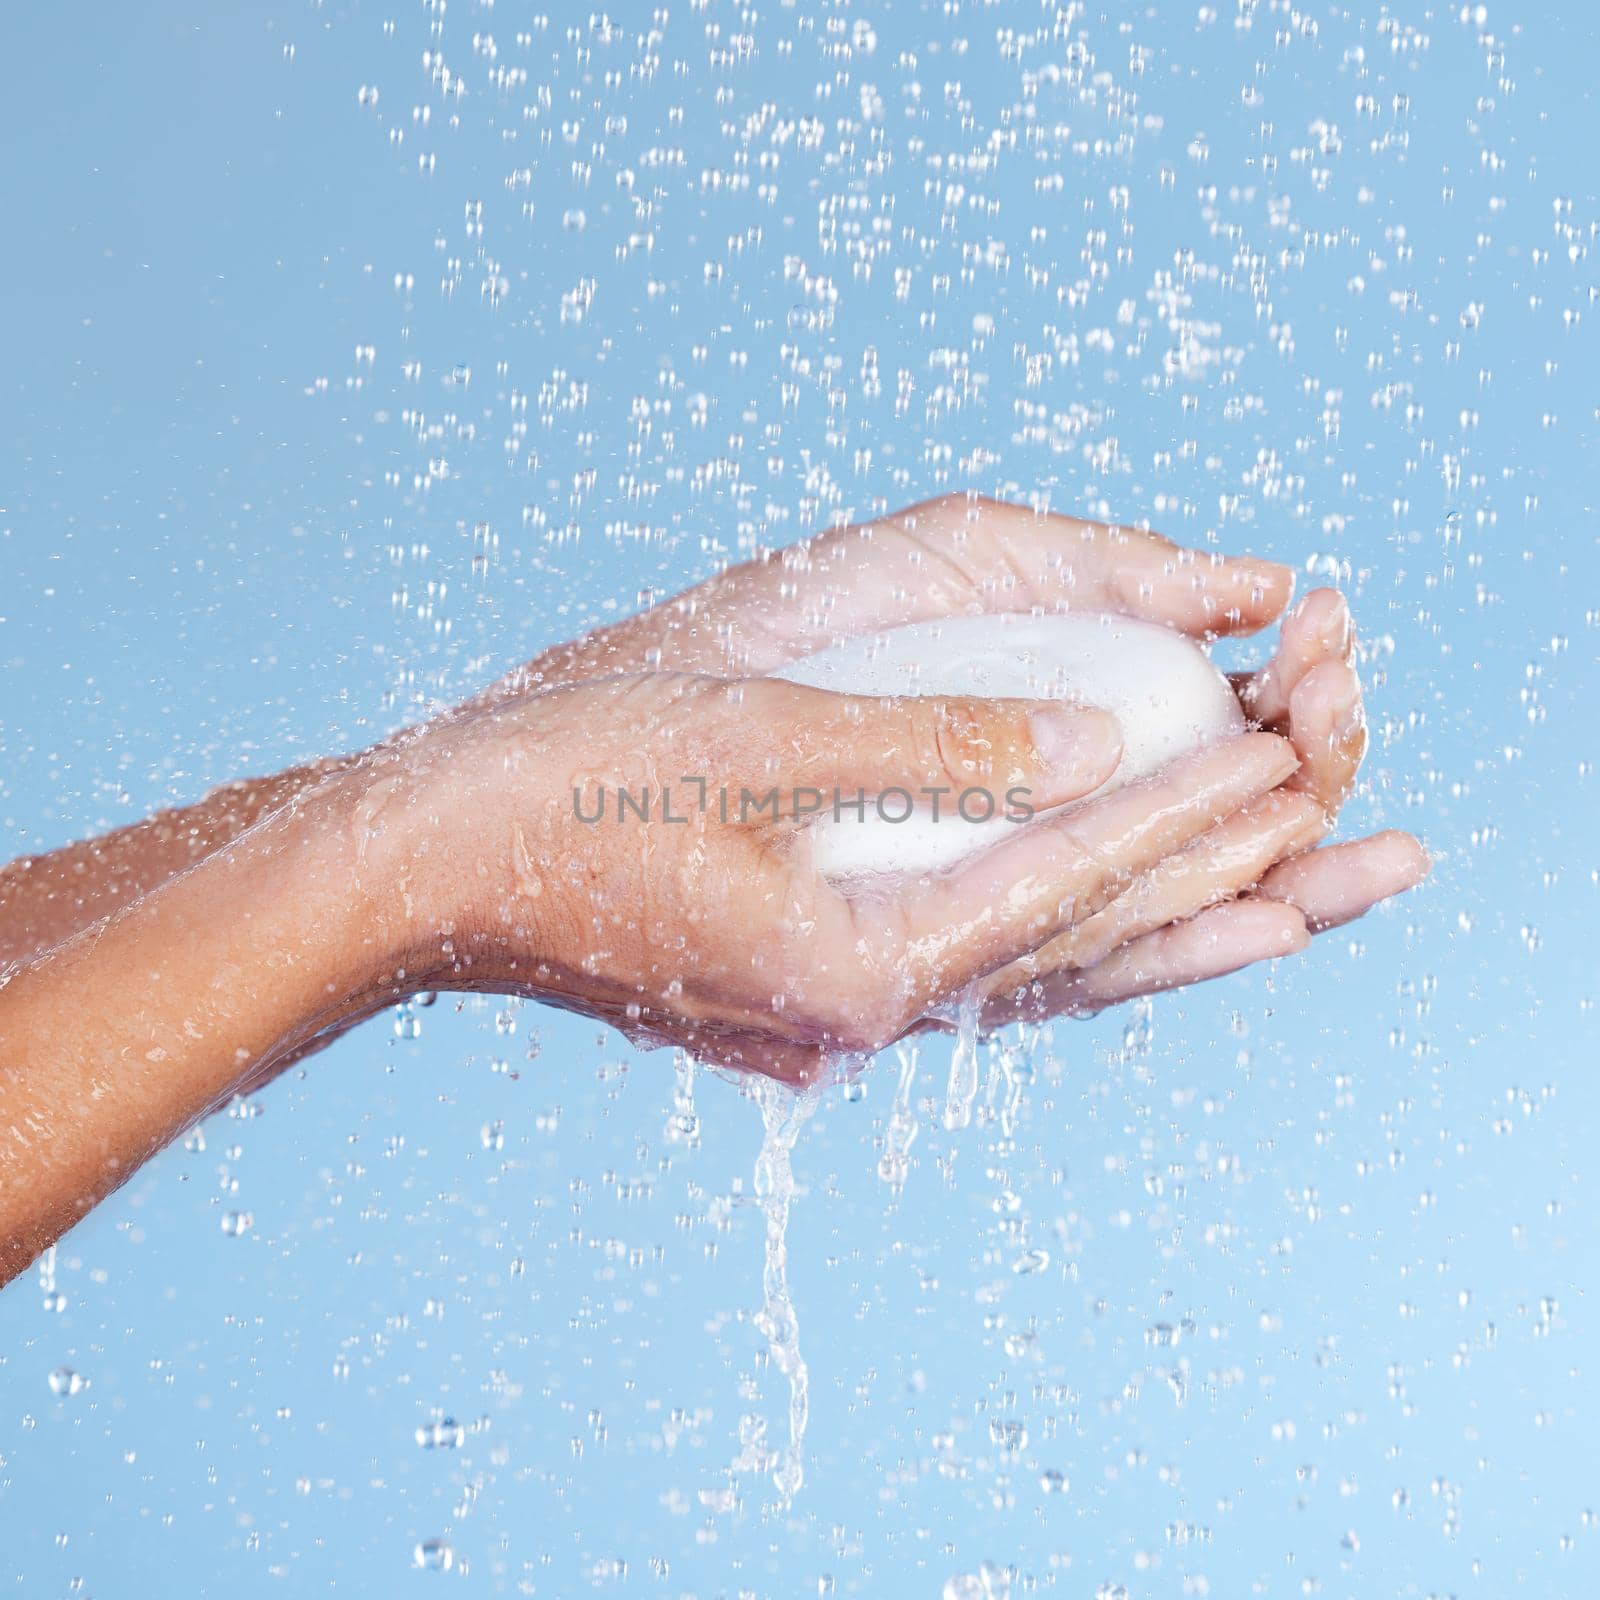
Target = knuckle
(955,741)
(951,506)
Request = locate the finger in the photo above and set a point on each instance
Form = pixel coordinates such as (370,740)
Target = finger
(1215,943)
(954,556)
(985,555)
(1328,726)
(1196,592)
(869,744)
(1220,864)
(1341,882)
(1060,870)
(1328,887)
(1318,629)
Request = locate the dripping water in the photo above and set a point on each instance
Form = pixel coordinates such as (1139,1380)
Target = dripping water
(783,1113)
(901,1132)
(962,1090)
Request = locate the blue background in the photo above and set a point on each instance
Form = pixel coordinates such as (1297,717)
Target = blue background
(1319,284)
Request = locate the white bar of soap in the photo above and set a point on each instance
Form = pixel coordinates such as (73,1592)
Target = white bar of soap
(1160,685)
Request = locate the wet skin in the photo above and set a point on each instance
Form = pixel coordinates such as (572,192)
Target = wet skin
(154,973)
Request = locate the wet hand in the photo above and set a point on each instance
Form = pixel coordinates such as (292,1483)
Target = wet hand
(1248,891)
(714,932)
(960,555)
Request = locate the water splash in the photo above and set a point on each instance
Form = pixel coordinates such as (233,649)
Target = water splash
(783,1114)
(901,1133)
(990,1582)
(683,1122)
(962,1090)
(1015,1057)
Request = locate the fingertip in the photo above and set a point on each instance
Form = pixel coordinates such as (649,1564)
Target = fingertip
(1243,595)
(1409,859)
(1335,627)
(1277,586)
(1314,600)
(1311,824)
(1271,750)
(1269,586)
(1295,933)
(1342,882)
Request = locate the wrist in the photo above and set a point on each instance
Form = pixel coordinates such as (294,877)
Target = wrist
(319,912)
(451,827)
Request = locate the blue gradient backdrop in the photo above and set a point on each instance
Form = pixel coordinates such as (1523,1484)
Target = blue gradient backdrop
(641,294)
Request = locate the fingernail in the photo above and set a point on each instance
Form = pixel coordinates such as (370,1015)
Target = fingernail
(1074,740)
(1350,718)
(1272,573)
(1338,633)
(1421,863)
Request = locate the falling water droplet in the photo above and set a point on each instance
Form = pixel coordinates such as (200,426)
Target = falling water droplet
(446,1434)
(433,1555)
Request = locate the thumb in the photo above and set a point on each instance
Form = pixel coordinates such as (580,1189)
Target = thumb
(1055,751)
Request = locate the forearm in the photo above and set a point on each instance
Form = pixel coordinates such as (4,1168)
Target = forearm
(47,898)
(131,1030)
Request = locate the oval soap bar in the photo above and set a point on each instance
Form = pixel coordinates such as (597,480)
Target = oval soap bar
(1160,686)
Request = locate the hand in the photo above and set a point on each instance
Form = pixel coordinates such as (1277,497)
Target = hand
(279,912)
(1182,924)
(715,933)
(960,555)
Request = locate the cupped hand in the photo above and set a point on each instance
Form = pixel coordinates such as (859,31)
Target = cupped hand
(960,555)
(1249,891)
(713,931)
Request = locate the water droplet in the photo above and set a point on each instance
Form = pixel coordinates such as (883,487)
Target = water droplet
(433,1555)
(446,1434)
